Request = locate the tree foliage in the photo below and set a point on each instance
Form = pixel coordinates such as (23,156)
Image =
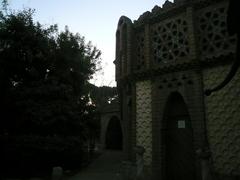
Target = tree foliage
(102,95)
(44,93)
(43,77)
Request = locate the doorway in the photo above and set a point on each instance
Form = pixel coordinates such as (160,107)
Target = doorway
(114,134)
(178,138)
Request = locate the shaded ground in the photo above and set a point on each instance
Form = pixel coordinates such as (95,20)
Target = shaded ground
(106,167)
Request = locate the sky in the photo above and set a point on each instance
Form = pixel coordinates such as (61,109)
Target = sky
(96,20)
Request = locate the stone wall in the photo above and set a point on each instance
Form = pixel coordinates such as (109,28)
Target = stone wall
(223,121)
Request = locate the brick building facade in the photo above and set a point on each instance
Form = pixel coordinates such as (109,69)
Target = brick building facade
(164,62)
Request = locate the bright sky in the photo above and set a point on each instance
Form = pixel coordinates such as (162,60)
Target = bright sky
(95,19)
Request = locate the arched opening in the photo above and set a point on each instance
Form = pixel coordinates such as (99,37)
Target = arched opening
(178,139)
(114,134)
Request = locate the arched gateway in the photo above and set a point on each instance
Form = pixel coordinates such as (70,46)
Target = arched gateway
(111,127)
(178,134)
(114,134)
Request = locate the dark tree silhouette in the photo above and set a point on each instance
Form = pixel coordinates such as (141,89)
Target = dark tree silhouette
(44,92)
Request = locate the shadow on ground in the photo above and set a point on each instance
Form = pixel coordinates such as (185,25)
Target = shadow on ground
(107,166)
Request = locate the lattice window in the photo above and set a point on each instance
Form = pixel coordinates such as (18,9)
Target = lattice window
(213,36)
(170,41)
(140,64)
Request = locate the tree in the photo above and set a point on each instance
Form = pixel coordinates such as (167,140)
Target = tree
(43,81)
(43,73)
(102,95)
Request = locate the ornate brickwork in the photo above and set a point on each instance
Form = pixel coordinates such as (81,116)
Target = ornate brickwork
(223,117)
(164,53)
(170,40)
(212,30)
(140,62)
(144,118)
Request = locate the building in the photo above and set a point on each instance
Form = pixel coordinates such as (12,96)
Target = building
(164,62)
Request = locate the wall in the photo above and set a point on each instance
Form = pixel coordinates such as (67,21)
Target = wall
(223,121)
(144,119)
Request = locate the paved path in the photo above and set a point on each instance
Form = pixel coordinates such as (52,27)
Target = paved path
(105,167)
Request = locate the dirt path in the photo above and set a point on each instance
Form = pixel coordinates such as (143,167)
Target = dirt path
(106,167)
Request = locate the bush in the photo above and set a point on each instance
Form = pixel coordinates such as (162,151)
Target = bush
(36,156)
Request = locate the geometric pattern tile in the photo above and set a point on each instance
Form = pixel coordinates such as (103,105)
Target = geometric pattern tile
(144,119)
(212,32)
(223,121)
(170,40)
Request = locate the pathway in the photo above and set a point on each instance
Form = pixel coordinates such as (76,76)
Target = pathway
(106,167)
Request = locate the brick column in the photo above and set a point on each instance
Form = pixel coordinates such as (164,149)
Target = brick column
(147,43)
(191,33)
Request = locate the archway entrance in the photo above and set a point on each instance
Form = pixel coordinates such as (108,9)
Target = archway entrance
(114,134)
(180,158)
